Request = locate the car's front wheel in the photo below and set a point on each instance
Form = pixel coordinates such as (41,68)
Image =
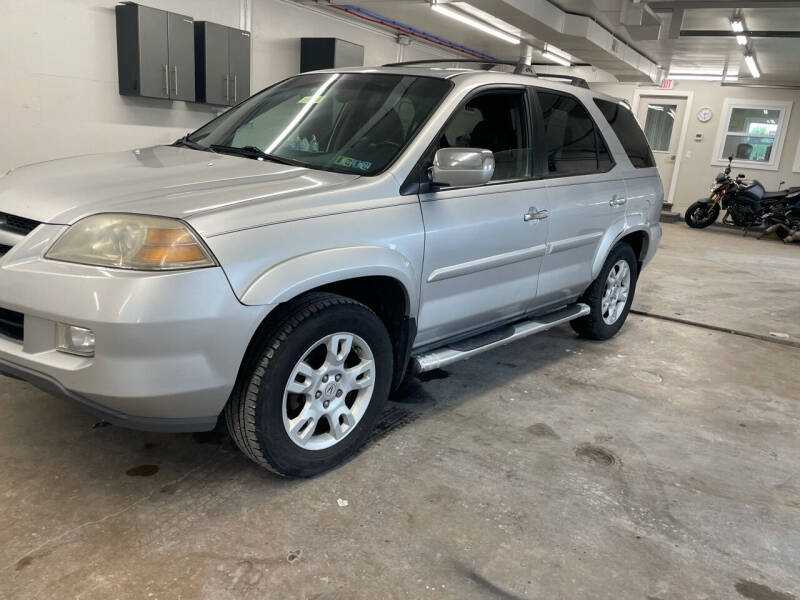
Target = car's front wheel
(610,295)
(314,387)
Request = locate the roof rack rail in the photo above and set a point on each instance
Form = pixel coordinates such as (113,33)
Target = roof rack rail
(487,65)
(576,81)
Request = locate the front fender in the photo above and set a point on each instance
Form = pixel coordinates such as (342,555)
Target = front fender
(302,273)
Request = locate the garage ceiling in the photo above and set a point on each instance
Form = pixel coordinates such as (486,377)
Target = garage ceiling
(631,40)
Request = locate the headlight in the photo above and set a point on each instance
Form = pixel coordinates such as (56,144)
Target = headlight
(131,242)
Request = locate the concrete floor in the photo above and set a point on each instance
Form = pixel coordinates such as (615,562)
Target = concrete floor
(663,464)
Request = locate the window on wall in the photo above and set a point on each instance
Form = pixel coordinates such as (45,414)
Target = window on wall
(752,132)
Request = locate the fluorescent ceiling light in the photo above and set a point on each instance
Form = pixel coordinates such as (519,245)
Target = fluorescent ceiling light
(741,40)
(693,77)
(467,20)
(487,18)
(750,61)
(556,59)
(556,55)
(737,25)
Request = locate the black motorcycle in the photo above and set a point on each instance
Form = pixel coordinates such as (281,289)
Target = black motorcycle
(784,220)
(745,202)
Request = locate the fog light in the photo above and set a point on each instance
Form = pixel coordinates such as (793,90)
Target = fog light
(74,340)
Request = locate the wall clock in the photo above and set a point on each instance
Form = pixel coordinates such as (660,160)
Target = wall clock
(704,114)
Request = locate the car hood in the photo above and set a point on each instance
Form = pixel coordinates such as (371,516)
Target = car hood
(162,180)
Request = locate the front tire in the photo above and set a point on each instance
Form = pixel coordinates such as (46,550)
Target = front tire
(313,388)
(700,215)
(610,296)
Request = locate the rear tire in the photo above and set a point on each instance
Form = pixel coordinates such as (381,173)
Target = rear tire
(610,296)
(314,386)
(699,215)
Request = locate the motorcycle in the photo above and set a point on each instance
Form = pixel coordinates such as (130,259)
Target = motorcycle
(784,220)
(745,202)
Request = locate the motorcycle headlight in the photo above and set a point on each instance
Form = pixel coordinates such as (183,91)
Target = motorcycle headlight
(125,241)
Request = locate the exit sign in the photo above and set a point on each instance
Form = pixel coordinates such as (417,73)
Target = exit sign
(666,84)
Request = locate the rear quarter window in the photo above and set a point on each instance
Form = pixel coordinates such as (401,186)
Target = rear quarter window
(628,132)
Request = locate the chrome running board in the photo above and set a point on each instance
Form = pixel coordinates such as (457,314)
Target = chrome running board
(441,357)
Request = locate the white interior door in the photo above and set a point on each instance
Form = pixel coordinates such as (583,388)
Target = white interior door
(661,118)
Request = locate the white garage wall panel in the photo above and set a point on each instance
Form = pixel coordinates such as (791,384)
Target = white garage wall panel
(58,67)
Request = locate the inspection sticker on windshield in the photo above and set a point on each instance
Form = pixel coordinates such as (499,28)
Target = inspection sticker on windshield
(353,163)
(311,99)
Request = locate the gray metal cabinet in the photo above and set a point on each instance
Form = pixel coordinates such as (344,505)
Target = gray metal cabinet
(239,59)
(181,57)
(155,53)
(222,63)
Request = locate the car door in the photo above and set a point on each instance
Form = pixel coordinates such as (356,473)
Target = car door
(482,253)
(585,196)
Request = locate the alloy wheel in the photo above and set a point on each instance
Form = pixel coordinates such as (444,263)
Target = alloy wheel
(615,293)
(328,391)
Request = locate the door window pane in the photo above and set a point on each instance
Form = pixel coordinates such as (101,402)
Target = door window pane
(571,141)
(658,125)
(628,132)
(493,121)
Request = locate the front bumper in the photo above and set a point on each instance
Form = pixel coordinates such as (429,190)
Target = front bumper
(169,345)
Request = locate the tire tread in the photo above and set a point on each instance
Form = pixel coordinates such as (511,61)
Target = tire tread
(240,411)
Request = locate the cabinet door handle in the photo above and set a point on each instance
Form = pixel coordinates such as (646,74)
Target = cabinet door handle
(235,94)
(175,71)
(166,80)
(227,89)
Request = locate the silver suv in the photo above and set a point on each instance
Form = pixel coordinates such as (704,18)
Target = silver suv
(286,264)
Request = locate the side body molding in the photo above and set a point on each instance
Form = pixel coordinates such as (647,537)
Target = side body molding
(292,277)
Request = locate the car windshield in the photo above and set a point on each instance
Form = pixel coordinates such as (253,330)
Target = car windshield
(347,122)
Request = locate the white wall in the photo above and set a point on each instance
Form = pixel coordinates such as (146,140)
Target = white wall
(58,72)
(696,171)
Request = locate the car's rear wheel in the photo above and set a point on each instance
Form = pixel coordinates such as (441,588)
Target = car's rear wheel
(610,296)
(314,387)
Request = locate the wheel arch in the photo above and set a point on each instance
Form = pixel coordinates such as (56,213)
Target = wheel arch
(638,237)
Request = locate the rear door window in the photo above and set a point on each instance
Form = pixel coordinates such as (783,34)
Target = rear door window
(628,131)
(573,145)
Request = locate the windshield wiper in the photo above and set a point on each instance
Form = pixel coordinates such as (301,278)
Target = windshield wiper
(250,152)
(185,141)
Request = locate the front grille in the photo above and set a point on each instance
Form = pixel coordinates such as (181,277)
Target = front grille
(12,324)
(17,224)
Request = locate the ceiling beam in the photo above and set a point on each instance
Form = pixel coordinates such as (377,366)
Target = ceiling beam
(725,33)
(675,24)
(665,5)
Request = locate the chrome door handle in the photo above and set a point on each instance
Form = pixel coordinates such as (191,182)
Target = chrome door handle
(175,71)
(235,95)
(166,80)
(535,215)
(617,200)
(227,89)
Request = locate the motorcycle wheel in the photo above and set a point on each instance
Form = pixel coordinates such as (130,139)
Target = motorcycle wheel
(701,214)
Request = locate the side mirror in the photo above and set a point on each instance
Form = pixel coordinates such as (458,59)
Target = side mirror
(460,167)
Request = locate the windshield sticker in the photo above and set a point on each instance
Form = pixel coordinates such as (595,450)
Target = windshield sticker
(311,99)
(352,163)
